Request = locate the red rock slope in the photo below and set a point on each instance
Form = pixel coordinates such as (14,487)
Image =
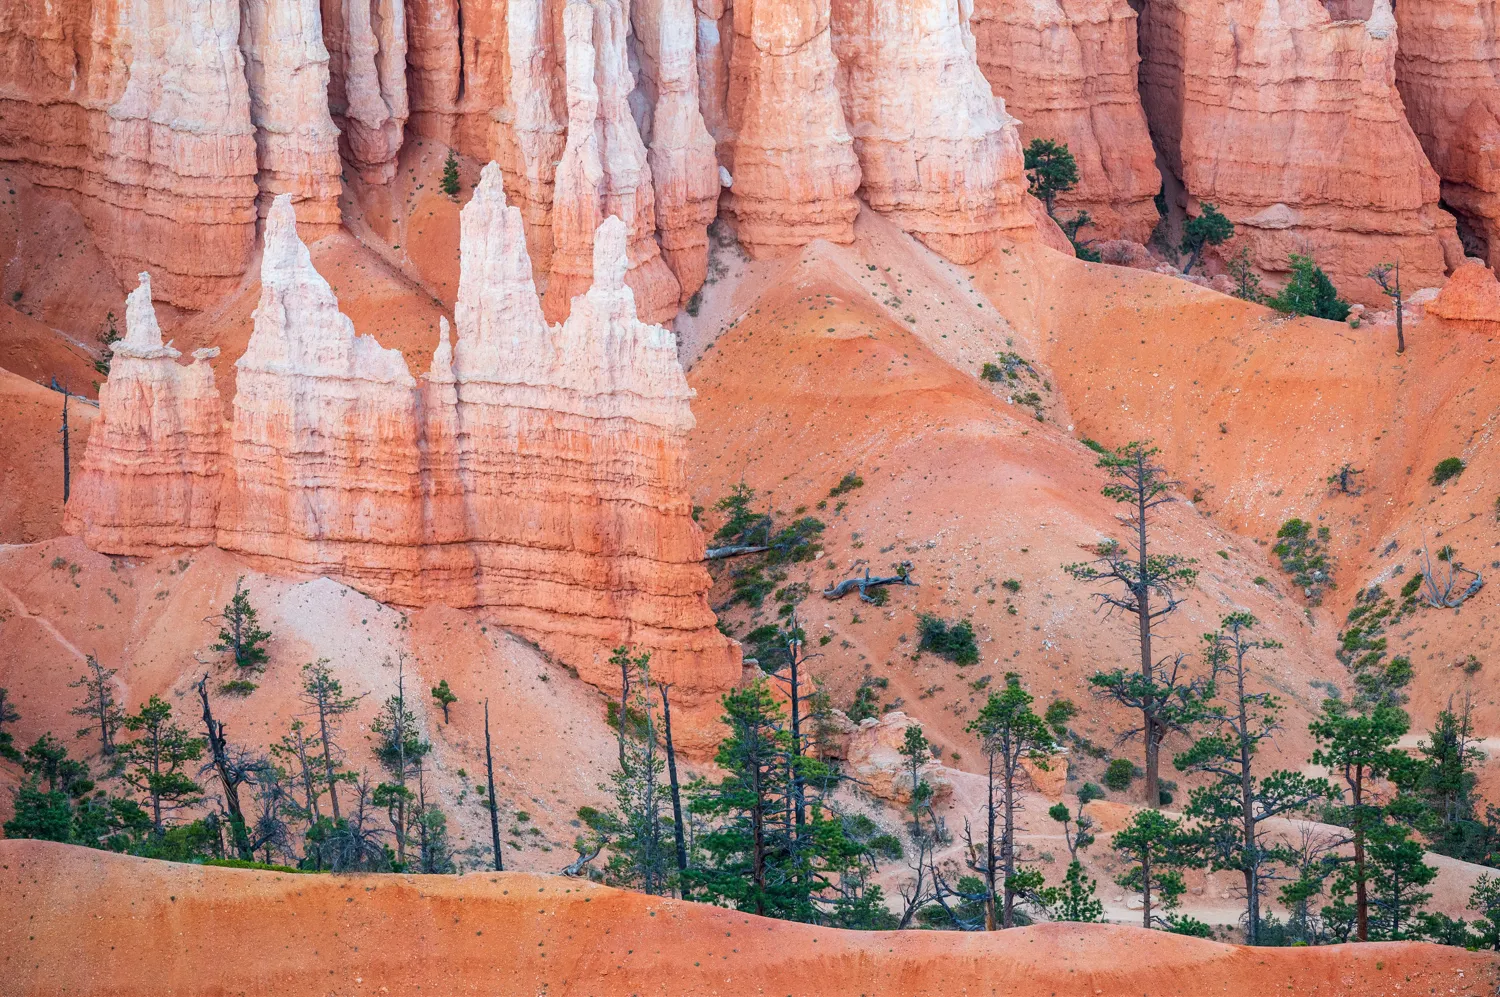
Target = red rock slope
(87,922)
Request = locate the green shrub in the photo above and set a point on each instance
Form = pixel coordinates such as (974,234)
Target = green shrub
(1310,292)
(238,687)
(1012,585)
(1446,470)
(952,641)
(1303,553)
(847,483)
(1119,774)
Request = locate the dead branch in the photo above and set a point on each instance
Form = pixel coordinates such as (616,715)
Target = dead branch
(843,588)
(1439,592)
(714,553)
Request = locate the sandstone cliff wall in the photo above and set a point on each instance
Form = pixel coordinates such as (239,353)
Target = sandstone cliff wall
(1290,122)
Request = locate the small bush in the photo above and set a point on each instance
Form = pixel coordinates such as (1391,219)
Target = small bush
(866,706)
(952,641)
(238,687)
(1011,585)
(847,483)
(694,304)
(1446,470)
(1119,774)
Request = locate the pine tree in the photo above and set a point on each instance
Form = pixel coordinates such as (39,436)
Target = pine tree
(98,706)
(1157,848)
(1360,747)
(1143,585)
(241,634)
(400,748)
(1050,170)
(444,697)
(1231,811)
(1208,228)
(450,176)
(1008,731)
(324,695)
(8,715)
(157,759)
(1310,292)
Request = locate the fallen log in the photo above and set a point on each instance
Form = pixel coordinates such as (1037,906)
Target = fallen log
(843,588)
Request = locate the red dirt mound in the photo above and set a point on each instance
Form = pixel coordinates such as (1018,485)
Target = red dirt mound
(88,922)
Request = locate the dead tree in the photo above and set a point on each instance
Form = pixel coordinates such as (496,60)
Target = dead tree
(231,776)
(67,471)
(489,766)
(678,831)
(1439,591)
(843,588)
(1391,286)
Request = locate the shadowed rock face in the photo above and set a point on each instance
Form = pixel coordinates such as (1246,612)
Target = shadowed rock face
(536,470)
(366,42)
(1290,122)
(1068,70)
(1448,71)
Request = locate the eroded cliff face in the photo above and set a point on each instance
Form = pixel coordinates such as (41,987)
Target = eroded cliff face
(139,109)
(1068,70)
(366,41)
(536,470)
(937,152)
(151,471)
(286,69)
(1448,72)
(603,171)
(1290,122)
(794,174)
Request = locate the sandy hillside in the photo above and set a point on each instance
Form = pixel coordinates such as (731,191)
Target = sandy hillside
(191,929)
(31,457)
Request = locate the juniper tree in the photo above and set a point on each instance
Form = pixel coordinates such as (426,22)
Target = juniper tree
(241,635)
(324,695)
(1008,731)
(99,705)
(1232,809)
(1144,585)
(157,758)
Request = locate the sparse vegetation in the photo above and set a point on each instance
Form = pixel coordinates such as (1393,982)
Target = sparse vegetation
(954,641)
(1446,470)
(1303,552)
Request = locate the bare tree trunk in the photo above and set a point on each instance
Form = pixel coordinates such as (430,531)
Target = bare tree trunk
(67,471)
(489,767)
(677,828)
(1143,603)
(220,750)
(1146,888)
(989,849)
(328,770)
(1008,846)
(1361,896)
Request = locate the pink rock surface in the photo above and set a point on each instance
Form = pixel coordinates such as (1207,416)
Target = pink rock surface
(794,174)
(141,109)
(150,473)
(1471,298)
(937,152)
(366,41)
(1448,72)
(1068,70)
(603,172)
(286,69)
(1290,122)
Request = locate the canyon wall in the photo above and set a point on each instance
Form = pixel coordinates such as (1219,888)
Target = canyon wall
(1068,70)
(1448,72)
(536,471)
(1290,122)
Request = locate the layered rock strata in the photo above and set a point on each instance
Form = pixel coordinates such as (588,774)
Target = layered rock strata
(788,149)
(150,476)
(1068,70)
(1448,72)
(681,152)
(139,107)
(937,152)
(604,171)
(1290,122)
(536,471)
(286,69)
(366,42)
